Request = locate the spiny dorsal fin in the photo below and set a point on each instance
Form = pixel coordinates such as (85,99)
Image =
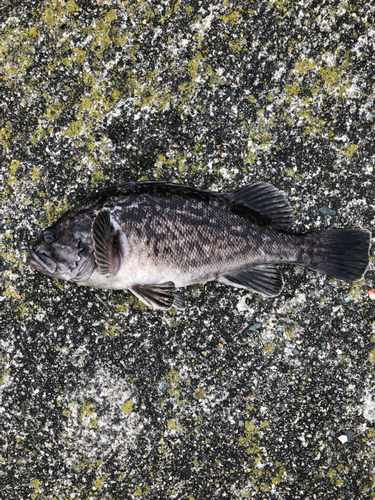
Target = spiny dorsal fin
(160,296)
(266,202)
(107,253)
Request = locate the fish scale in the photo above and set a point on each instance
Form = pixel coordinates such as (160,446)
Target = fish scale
(201,242)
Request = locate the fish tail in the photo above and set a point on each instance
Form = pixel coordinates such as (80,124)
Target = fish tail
(340,253)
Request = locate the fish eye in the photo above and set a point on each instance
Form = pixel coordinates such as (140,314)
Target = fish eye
(49,236)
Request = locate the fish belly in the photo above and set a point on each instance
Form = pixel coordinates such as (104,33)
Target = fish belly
(207,264)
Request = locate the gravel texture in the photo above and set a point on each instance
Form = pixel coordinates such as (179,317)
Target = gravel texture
(237,396)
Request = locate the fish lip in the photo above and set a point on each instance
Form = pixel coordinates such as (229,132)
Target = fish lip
(40,265)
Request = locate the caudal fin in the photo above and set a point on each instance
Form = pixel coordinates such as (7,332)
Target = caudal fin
(340,253)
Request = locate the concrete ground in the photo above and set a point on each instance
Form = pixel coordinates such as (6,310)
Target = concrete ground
(237,396)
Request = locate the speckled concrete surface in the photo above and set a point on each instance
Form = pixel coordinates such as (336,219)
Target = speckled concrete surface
(237,396)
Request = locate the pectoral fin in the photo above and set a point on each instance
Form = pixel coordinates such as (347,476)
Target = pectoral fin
(107,246)
(266,280)
(161,296)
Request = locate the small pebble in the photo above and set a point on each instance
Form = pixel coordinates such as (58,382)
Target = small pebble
(327,211)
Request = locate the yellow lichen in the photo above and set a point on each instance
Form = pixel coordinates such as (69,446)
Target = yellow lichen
(171,424)
(99,483)
(127,407)
(350,150)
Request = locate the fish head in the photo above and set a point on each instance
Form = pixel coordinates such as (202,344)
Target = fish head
(64,250)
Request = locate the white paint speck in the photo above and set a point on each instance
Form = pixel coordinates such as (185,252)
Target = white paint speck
(369,409)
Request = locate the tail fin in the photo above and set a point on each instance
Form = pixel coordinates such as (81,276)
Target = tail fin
(340,253)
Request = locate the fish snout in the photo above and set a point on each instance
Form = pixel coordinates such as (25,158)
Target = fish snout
(41,261)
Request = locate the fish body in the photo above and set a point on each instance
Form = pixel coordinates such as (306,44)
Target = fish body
(154,237)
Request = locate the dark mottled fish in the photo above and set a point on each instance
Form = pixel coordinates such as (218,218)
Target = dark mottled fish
(154,237)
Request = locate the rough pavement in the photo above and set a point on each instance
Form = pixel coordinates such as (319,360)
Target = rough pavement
(237,396)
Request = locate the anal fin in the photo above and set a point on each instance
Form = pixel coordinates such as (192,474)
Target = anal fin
(160,296)
(266,280)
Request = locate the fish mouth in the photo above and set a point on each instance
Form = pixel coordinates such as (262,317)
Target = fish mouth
(45,264)
(41,262)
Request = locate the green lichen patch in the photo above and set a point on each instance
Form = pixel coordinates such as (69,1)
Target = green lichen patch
(262,477)
(199,394)
(172,424)
(55,209)
(37,488)
(87,414)
(355,292)
(127,407)
(350,150)
(3,370)
(111,331)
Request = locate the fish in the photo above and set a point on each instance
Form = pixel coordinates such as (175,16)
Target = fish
(154,237)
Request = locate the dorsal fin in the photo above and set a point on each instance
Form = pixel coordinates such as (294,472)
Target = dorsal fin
(267,203)
(259,201)
(264,201)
